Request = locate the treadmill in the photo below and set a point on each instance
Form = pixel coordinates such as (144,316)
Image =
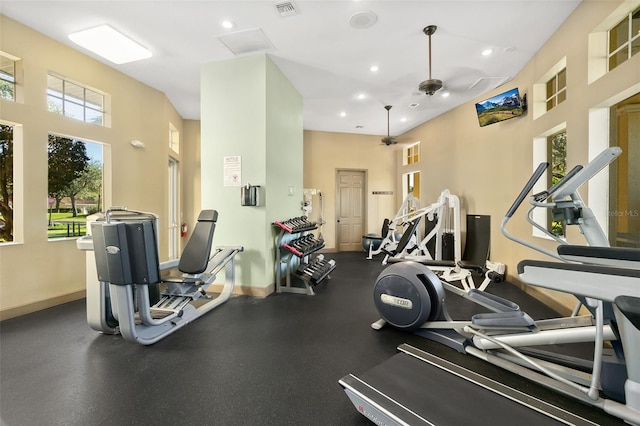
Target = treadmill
(417,388)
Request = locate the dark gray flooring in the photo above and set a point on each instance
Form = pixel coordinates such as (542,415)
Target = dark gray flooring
(272,361)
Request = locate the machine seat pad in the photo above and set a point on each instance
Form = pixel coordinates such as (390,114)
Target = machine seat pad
(182,280)
(630,307)
(208,216)
(195,257)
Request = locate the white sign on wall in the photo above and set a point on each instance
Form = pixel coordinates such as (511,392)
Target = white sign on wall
(232,170)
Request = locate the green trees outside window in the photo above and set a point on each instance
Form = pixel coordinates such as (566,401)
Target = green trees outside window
(6,183)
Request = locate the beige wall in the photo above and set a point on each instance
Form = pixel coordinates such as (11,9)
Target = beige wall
(487,167)
(36,272)
(326,152)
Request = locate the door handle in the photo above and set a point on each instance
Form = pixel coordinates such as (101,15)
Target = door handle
(338,220)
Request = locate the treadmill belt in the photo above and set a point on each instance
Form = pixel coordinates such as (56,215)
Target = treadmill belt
(443,398)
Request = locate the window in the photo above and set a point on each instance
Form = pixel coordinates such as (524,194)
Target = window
(557,144)
(550,89)
(624,39)
(75,185)
(174,138)
(7,76)
(6,183)
(412,154)
(74,100)
(557,89)
(412,184)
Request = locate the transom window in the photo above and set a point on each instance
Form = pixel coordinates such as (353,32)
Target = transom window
(7,77)
(74,100)
(412,154)
(557,89)
(624,39)
(174,138)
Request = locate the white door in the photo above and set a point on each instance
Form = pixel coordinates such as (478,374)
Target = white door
(350,201)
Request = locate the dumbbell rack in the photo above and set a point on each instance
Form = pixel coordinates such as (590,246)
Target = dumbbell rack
(295,242)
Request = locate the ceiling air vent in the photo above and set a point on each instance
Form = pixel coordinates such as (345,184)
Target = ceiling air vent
(286,8)
(488,83)
(247,41)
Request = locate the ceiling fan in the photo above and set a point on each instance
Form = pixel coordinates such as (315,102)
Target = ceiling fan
(388,140)
(432,85)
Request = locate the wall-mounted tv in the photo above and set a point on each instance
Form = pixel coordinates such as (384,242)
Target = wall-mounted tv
(500,107)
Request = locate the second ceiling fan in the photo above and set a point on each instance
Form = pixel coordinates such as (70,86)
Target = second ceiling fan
(432,85)
(388,140)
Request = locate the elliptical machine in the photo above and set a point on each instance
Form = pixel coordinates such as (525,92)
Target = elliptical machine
(605,280)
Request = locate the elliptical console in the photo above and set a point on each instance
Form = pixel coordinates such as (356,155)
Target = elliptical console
(407,295)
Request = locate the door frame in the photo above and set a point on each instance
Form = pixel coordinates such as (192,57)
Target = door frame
(365,204)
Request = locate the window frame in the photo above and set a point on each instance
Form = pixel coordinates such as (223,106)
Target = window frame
(553,225)
(12,81)
(102,196)
(412,154)
(628,42)
(555,92)
(65,98)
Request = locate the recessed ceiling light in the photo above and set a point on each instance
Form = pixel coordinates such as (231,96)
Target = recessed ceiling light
(110,44)
(403,119)
(361,96)
(343,114)
(374,68)
(227,24)
(487,52)
(413,105)
(445,94)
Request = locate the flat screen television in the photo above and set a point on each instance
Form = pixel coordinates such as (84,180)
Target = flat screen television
(500,107)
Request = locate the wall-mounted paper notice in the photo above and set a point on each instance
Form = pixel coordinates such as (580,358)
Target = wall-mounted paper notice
(232,170)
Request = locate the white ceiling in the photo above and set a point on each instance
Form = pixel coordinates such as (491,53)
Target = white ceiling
(323,56)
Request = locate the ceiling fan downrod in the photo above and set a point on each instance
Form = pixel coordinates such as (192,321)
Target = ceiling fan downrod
(432,85)
(388,140)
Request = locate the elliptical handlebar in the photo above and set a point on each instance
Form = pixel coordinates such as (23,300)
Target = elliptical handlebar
(535,177)
(527,188)
(541,196)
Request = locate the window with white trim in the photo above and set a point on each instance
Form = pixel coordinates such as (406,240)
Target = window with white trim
(557,146)
(7,76)
(6,183)
(75,100)
(412,154)
(75,185)
(624,39)
(556,89)
(174,138)
(550,89)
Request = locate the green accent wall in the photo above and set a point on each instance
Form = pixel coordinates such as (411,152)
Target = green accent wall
(249,109)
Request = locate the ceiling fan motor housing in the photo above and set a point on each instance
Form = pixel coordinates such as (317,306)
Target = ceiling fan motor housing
(431,86)
(389,140)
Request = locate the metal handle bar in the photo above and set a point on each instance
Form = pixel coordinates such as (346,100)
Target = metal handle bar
(527,188)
